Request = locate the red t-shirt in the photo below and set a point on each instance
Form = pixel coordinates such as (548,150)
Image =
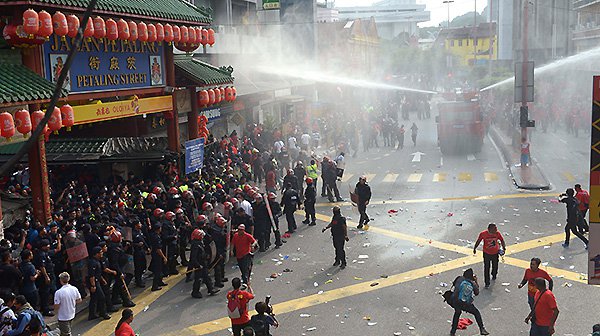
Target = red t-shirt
(124,330)
(244,298)
(490,241)
(544,309)
(530,276)
(242,244)
(584,198)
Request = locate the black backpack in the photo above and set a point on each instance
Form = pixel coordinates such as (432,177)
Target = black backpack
(260,325)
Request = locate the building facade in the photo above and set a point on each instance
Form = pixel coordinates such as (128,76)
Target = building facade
(586,31)
(470,45)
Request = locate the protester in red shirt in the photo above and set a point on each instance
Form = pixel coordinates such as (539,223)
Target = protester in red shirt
(584,204)
(243,244)
(491,250)
(545,312)
(123,327)
(237,305)
(532,273)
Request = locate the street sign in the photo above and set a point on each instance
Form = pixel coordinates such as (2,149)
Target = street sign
(194,155)
(594,245)
(270,4)
(529,86)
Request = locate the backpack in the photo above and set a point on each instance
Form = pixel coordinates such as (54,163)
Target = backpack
(450,295)
(259,325)
(234,305)
(36,320)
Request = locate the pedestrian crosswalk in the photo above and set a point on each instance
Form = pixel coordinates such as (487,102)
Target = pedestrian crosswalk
(411,178)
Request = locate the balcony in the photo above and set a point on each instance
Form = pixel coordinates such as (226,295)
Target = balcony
(579,4)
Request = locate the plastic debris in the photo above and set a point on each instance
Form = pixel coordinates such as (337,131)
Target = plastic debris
(562,258)
(367,318)
(374,284)
(449,214)
(320,292)
(357,278)
(392,211)
(458,224)
(311,329)
(397,333)
(269,279)
(496,309)
(328,281)
(506,284)
(363,256)
(572,267)
(405,309)
(370,324)
(304,315)
(366,244)
(316,284)
(146,308)
(507,290)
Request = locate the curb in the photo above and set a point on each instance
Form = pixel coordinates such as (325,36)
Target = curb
(506,157)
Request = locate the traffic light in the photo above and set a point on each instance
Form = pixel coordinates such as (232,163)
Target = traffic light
(524,118)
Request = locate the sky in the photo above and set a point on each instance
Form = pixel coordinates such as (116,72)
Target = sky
(439,11)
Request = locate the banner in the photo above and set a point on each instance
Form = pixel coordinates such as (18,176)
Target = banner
(270,4)
(85,114)
(194,155)
(77,253)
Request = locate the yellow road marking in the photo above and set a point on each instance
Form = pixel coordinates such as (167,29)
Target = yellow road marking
(553,271)
(489,177)
(370,177)
(568,176)
(465,177)
(439,177)
(145,298)
(451,199)
(414,178)
(390,178)
(347,177)
(530,244)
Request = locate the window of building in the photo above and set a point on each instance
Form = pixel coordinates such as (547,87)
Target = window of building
(460,43)
(475,41)
(452,43)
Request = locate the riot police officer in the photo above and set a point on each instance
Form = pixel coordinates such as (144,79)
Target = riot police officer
(290,202)
(97,304)
(262,225)
(184,227)
(339,233)
(116,259)
(198,260)
(218,232)
(169,241)
(140,248)
(310,198)
(158,257)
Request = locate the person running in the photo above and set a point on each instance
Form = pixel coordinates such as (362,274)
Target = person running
(544,313)
(465,290)
(584,205)
(572,205)
(491,251)
(532,273)
(339,233)
(363,192)
(413,133)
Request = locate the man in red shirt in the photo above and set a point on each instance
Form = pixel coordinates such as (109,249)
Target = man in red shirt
(491,249)
(532,273)
(584,204)
(545,312)
(237,305)
(243,244)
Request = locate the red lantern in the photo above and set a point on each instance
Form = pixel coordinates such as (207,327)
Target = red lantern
(59,20)
(23,122)
(211,37)
(133,31)
(203,98)
(211,96)
(233,93)
(36,118)
(198,35)
(72,25)
(89,30)
(204,37)
(176,34)
(217,95)
(151,33)
(46,28)
(185,34)
(228,94)
(160,32)
(112,31)
(55,121)
(15,36)
(168,33)
(31,22)
(192,35)
(67,115)
(123,29)
(99,27)
(7,125)
(142,32)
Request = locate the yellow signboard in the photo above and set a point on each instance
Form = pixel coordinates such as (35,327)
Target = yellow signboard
(85,114)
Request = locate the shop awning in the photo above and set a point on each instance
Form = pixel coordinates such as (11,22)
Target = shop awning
(193,72)
(18,84)
(177,11)
(85,150)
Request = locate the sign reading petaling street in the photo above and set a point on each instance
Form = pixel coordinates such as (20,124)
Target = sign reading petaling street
(102,65)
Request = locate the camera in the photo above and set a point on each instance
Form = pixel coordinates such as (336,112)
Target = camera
(269,306)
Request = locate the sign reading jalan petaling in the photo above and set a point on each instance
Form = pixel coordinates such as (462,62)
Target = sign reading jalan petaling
(102,65)
(594,245)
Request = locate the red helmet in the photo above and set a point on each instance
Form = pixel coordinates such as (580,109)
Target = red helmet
(237,191)
(170,215)
(272,196)
(197,234)
(173,191)
(151,196)
(221,221)
(201,219)
(258,196)
(247,188)
(188,194)
(156,190)
(309,180)
(234,202)
(228,205)
(115,236)
(219,186)
(158,212)
(207,206)
(178,211)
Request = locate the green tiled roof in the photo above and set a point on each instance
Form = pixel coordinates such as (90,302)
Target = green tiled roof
(19,84)
(201,73)
(169,10)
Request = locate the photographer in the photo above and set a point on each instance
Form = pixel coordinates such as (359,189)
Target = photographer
(465,290)
(264,319)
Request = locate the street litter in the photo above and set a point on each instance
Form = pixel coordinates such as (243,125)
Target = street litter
(374,284)
(568,284)
(405,310)
(450,214)
(328,281)
(506,284)
(392,211)
(370,324)
(304,315)
(311,329)
(496,309)
(363,256)
(507,290)
(367,318)
(316,284)
(357,278)
(572,267)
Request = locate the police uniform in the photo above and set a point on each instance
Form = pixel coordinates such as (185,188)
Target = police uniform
(117,258)
(290,201)
(262,225)
(169,241)
(156,263)
(97,304)
(219,236)
(310,198)
(198,262)
(139,256)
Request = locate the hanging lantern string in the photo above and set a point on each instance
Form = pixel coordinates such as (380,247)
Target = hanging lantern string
(35,135)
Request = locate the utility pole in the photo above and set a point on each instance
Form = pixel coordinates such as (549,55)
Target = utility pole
(525,42)
(448,2)
(491,37)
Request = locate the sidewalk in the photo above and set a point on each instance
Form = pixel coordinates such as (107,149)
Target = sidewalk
(530,177)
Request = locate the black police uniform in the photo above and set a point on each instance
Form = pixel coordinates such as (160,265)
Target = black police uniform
(219,236)
(97,303)
(169,241)
(139,256)
(116,259)
(262,225)
(310,198)
(290,201)
(198,262)
(41,259)
(156,263)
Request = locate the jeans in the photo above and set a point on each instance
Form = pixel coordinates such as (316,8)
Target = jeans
(461,306)
(332,190)
(362,209)
(338,245)
(530,301)
(245,264)
(238,328)
(489,260)
(291,220)
(537,330)
(572,227)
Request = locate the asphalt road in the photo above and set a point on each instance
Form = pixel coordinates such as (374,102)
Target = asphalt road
(442,203)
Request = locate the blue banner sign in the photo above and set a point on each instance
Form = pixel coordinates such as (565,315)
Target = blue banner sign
(104,65)
(194,155)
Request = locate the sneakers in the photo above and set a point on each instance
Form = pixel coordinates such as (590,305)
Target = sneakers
(306,221)
(342,266)
(565,245)
(360,226)
(484,332)
(336,263)
(312,224)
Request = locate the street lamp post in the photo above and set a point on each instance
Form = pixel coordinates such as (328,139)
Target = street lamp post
(448,2)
